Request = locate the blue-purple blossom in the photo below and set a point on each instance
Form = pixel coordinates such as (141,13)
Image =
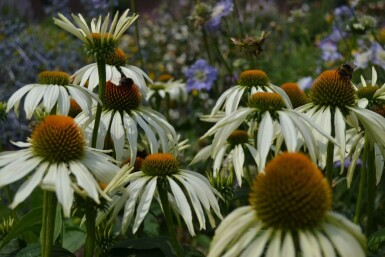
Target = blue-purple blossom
(330,52)
(200,76)
(375,55)
(305,82)
(221,9)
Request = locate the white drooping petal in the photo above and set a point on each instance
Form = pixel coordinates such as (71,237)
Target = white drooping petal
(238,162)
(117,134)
(32,99)
(145,202)
(289,131)
(131,134)
(340,130)
(265,137)
(63,189)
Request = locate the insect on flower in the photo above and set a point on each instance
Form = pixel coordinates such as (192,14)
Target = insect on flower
(346,70)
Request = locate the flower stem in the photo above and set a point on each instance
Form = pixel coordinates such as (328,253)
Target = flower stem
(361,188)
(169,220)
(330,152)
(101,63)
(90,229)
(207,45)
(133,6)
(48,223)
(371,181)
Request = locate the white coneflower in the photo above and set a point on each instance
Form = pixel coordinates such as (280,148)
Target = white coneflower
(124,118)
(58,160)
(167,86)
(52,90)
(250,81)
(233,150)
(100,37)
(269,121)
(288,214)
(188,192)
(116,68)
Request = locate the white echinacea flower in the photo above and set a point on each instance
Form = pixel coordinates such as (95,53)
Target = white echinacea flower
(370,94)
(250,82)
(116,68)
(269,121)
(167,86)
(237,143)
(124,119)
(188,192)
(99,27)
(334,105)
(53,90)
(288,215)
(57,159)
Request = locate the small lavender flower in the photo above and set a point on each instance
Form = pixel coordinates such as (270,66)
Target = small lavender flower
(200,76)
(330,52)
(305,82)
(221,9)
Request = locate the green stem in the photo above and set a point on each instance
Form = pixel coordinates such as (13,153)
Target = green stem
(240,27)
(90,229)
(48,223)
(133,6)
(207,45)
(101,63)
(371,180)
(169,220)
(330,153)
(361,188)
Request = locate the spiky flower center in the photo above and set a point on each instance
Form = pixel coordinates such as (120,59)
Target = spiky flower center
(253,78)
(98,46)
(291,194)
(266,101)
(53,78)
(367,92)
(379,108)
(160,164)
(116,58)
(58,139)
(124,97)
(331,89)
(165,77)
(296,95)
(238,137)
(74,108)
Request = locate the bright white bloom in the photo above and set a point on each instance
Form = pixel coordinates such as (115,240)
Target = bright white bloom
(288,215)
(370,93)
(232,151)
(269,122)
(57,159)
(124,119)
(250,82)
(99,26)
(188,192)
(52,90)
(334,106)
(116,68)
(174,89)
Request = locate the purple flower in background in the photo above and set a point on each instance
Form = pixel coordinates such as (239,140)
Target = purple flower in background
(375,55)
(200,76)
(221,9)
(330,52)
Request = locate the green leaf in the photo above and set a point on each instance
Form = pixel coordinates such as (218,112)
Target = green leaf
(10,249)
(376,239)
(74,238)
(26,223)
(58,222)
(143,247)
(34,250)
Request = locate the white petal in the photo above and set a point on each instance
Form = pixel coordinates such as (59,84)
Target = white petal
(144,204)
(131,134)
(219,159)
(238,161)
(117,135)
(17,170)
(202,155)
(288,131)
(257,247)
(182,203)
(374,76)
(149,133)
(288,248)
(33,99)
(14,100)
(63,102)
(51,95)
(340,129)
(29,185)
(64,191)
(85,180)
(274,247)
(265,137)
(100,166)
